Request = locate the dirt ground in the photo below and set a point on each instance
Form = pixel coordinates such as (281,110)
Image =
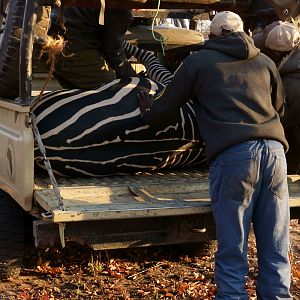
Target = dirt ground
(150,273)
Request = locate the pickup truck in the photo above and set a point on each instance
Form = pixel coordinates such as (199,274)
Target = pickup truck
(170,206)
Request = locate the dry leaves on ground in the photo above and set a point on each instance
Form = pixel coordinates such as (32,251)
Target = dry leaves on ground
(148,273)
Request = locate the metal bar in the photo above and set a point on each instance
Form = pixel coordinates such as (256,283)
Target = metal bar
(47,163)
(136,190)
(26,48)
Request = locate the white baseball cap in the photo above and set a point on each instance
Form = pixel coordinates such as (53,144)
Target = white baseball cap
(260,38)
(227,20)
(283,37)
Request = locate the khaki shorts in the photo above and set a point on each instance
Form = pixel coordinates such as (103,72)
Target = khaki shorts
(85,69)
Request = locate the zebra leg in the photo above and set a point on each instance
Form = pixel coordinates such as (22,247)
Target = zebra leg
(155,70)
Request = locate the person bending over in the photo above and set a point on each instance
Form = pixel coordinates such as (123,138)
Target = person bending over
(238,98)
(280,41)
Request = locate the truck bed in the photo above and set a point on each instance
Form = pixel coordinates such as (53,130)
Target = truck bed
(157,194)
(166,207)
(164,193)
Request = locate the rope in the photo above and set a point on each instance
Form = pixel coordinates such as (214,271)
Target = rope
(53,47)
(161,39)
(102,11)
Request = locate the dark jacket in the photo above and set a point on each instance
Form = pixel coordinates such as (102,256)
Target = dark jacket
(290,74)
(237,92)
(82,31)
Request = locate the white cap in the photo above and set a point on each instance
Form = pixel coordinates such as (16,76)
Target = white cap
(226,20)
(284,37)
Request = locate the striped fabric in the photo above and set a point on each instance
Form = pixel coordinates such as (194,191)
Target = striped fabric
(100,132)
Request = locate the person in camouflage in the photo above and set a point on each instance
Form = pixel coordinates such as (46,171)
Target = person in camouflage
(94,53)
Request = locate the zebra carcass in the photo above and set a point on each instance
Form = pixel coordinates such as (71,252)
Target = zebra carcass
(100,132)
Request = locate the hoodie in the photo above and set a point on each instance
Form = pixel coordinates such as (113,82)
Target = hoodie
(236,91)
(289,70)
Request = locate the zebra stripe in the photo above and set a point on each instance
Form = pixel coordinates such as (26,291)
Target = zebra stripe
(75,97)
(155,70)
(135,113)
(100,132)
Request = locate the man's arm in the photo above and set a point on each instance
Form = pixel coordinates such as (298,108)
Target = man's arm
(278,93)
(117,22)
(164,108)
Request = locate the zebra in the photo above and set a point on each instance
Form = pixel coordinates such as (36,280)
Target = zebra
(100,132)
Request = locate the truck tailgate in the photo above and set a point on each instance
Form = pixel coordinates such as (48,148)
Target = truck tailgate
(165,193)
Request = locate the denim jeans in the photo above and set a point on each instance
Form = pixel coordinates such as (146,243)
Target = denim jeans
(248,184)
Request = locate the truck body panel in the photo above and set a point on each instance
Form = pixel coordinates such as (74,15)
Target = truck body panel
(17,160)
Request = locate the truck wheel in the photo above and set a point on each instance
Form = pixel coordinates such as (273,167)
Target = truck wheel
(11,20)
(11,236)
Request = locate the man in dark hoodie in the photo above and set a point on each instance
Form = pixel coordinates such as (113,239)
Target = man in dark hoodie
(238,100)
(281,42)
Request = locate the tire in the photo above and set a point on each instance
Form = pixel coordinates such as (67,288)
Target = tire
(11,28)
(12,241)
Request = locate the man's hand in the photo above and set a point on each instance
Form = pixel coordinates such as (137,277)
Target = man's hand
(145,101)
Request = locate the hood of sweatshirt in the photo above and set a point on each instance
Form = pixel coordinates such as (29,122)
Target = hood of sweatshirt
(236,44)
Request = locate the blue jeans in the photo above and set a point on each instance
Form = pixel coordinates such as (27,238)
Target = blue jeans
(248,183)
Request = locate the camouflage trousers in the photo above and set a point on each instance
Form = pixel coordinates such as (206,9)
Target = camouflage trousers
(84,69)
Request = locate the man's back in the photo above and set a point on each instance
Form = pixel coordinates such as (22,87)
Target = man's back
(231,83)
